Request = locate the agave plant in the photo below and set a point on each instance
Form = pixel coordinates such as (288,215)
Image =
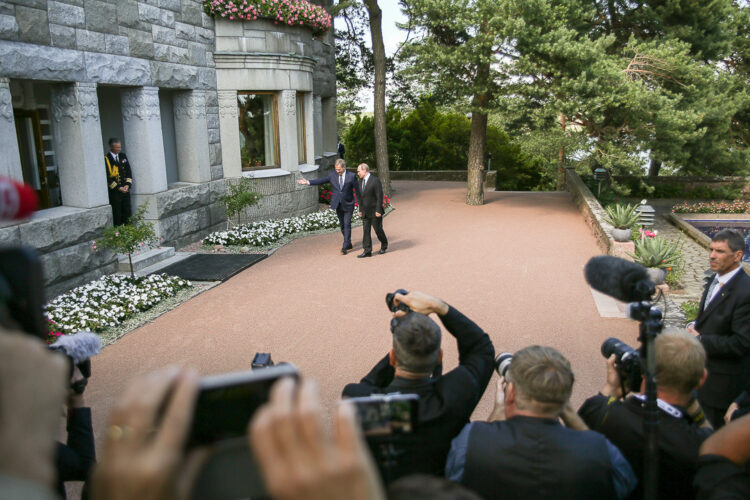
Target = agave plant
(658,252)
(622,216)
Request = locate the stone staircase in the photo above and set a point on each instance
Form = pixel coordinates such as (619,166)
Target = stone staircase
(151,260)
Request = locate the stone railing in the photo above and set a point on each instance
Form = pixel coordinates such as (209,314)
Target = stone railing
(592,211)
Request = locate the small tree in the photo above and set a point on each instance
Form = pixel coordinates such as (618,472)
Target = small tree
(128,237)
(239,197)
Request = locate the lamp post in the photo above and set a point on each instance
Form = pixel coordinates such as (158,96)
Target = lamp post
(600,175)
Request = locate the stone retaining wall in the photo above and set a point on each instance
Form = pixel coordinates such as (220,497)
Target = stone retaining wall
(442,175)
(63,238)
(592,211)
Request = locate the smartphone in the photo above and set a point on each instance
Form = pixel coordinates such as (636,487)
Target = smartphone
(387,414)
(226,402)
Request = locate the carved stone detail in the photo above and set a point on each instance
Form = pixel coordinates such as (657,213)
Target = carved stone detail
(190,104)
(289,102)
(6,104)
(142,103)
(76,102)
(228,104)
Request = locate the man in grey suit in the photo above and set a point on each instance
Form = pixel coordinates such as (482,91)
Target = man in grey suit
(371,210)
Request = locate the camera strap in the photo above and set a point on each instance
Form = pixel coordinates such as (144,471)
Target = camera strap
(663,406)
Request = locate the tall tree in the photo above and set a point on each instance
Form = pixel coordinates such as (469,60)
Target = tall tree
(378,52)
(460,51)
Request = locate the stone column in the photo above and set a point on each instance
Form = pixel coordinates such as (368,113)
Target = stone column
(318,125)
(10,159)
(229,128)
(288,130)
(191,134)
(309,129)
(141,123)
(78,142)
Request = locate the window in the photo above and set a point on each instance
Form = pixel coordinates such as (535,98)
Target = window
(259,129)
(301,128)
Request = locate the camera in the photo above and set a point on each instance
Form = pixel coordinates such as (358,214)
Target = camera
(387,414)
(392,306)
(502,363)
(627,362)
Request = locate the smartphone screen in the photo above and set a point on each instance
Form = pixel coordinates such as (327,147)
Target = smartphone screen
(383,415)
(227,402)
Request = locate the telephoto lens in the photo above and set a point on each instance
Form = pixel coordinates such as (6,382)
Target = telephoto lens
(502,362)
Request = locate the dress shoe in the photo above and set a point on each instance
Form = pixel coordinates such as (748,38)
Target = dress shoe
(382,251)
(343,251)
(364,254)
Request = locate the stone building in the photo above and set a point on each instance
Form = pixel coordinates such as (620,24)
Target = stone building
(196,102)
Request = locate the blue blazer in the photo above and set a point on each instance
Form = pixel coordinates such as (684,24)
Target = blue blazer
(343,197)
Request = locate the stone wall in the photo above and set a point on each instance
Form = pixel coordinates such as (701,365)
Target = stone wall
(442,175)
(63,237)
(591,209)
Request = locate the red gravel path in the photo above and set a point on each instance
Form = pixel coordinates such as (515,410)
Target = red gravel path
(513,265)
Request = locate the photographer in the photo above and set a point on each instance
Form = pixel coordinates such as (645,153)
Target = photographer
(680,370)
(530,454)
(413,366)
(723,463)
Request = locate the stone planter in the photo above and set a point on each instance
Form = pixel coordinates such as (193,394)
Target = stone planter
(657,275)
(622,235)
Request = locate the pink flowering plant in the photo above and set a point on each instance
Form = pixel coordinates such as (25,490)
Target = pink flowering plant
(289,12)
(713,207)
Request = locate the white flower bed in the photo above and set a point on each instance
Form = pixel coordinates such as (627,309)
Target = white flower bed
(268,231)
(108,301)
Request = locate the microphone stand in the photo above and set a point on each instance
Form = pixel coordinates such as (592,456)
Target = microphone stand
(651,325)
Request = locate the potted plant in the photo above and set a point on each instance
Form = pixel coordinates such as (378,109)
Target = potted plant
(658,254)
(623,218)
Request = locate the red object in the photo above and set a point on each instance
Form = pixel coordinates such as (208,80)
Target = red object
(17,200)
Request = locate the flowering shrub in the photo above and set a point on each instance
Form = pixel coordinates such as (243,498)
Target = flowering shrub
(290,12)
(268,231)
(53,332)
(324,194)
(128,238)
(713,207)
(108,301)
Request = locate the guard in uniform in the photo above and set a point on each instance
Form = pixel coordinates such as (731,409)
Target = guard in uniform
(119,180)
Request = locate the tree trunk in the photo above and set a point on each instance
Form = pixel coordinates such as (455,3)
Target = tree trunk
(478,141)
(378,52)
(653,168)
(561,160)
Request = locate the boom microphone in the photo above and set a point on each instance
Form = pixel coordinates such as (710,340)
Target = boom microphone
(619,278)
(17,200)
(78,347)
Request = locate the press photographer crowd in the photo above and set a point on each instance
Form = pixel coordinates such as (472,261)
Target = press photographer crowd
(669,421)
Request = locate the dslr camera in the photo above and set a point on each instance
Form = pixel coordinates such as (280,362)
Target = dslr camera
(392,306)
(627,362)
(502,363)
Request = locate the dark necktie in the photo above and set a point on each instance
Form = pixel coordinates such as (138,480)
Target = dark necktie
(341,182)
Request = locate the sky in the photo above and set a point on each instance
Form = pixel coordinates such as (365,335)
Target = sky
(392,36)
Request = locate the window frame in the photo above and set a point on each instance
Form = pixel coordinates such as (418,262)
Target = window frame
(274,131)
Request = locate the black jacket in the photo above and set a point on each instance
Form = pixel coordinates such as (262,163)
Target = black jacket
(445,402)
(724,328)
(371,197)
(118,172)
(76,458)
(679,440)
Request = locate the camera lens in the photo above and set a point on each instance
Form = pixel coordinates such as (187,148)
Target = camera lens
(620,349)
(502,362)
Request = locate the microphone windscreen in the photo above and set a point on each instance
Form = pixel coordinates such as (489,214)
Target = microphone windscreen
(619,278)
(79,346)
(17,200)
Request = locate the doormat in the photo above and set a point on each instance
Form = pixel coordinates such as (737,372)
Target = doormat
(212,267)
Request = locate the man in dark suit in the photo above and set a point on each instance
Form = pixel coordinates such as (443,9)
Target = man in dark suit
(723,326)
(343,186)
(119,180)
(371,210)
